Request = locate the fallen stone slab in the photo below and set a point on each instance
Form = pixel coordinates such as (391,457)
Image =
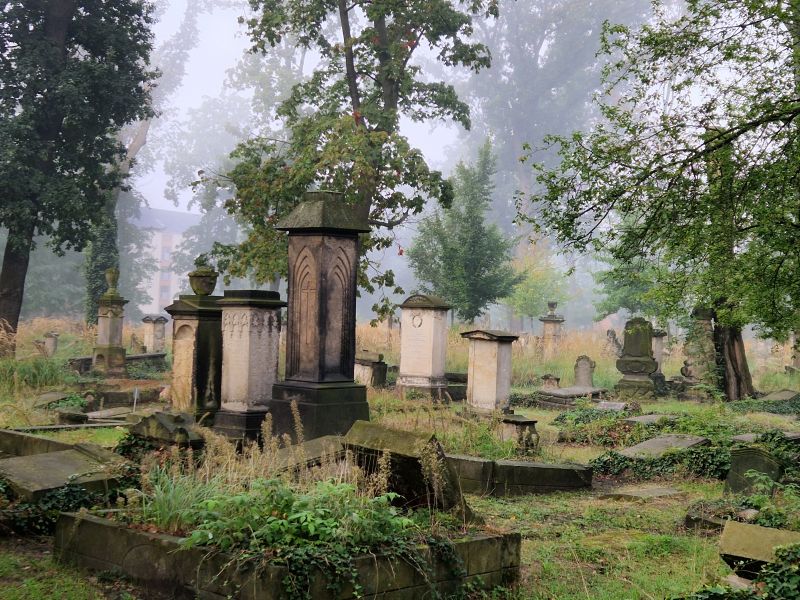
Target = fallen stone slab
(615,406)
(310,453)
(698,520)
(48,398)
(87,465)
(747,547)
(780,396)
(110,413)
(749,438)
(71,416)
(17,443)
(650,419)
(659,446)
(168,429)
(515,478)
(475,475)
(71,427)
(640,494)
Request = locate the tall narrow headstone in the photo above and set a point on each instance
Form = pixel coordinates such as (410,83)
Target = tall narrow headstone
(50,343)
(659,380)
(154,332)
(489,371)
(637,362)
(321,328)
(196,354)
(108,356)
(551,330)
(700,363)
(423,345)
(251,324)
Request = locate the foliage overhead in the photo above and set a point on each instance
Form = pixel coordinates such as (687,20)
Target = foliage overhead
(693,163)
(456,254)
(540,282)
(343,120)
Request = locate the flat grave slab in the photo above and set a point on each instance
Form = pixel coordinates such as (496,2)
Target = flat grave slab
(657,447)
(616,406)
(780,396)
(88,465)
(640,494)
(749,438)
(746,547)
(649,419)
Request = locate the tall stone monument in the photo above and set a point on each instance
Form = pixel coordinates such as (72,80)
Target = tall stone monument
(489,370)
(50,343)
(251,324)
(108,357)
(636,363)
(197,349)
(154,333)
(659,380)
(700,364)
(321,327)
(423,345)
(551,330)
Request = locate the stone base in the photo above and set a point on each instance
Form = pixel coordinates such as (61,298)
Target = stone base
(632,387)
(240,425)
(325,408)
(660,384)
(109,361)
(423,386)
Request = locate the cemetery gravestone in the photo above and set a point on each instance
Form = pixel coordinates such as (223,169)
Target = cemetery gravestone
(700,363)
(636,363)
(423,345)
(50,344)
(489,370)
(154,333)
(251,323)
(747,459)
(108,357)
(321,327)
(747,547)
(659,381)
(657,447)
(370,370)
(583,386)
(551,330)
(197,354)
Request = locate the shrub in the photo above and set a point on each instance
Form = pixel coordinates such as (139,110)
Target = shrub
(702,461)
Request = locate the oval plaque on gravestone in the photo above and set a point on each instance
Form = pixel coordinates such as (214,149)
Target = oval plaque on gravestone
(750,459)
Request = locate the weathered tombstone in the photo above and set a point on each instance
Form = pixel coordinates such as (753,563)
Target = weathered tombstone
(584,372)
(583,386)
(251,324)
(657,447)
(700,363)
(50,344)
(423,345)
(489,370)
(636,363)
(550,382)
(522,430)
(196,353)
(747,547)
(659,381)
(612,346)
(154,332)
(419,472)
(615,406)
(551,330)
(370,370)
(137,346)
(108,357)
(321,327)
(750,459)
(168,429)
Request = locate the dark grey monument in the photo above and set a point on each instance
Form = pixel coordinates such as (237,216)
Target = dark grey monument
(321,327)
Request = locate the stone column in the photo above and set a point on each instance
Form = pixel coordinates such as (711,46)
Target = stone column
(551,330)
(637,362)
(154,332)
(50,343)
(423,345)
(108,357)
(659,381)
(321,327)
(196,355)
(489,371)
(251,325)
(701,364)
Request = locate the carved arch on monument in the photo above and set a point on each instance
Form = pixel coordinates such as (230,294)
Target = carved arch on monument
(338,301)
(302,341)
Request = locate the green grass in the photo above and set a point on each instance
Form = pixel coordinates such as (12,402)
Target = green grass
(106,437)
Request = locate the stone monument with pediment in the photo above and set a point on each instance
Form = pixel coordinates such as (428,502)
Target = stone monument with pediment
(108,356)
(423,345)
(552,324)
(489,372)
(321,326)
(636,363)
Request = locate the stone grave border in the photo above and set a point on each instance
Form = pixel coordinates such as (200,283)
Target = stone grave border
(153,560)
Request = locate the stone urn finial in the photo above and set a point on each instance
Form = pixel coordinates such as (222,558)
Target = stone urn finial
(203,279)
(112,280)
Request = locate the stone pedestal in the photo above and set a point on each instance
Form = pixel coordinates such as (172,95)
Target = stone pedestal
(321,327)
(196,356)
(659,381)
(551,330)
(636,363)
(489,371)
(370,370)
(251,323)
(50,344)
(423,345)
(108,357)
(154,333)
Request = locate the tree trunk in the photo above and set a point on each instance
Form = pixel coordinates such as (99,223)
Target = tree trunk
(12,286)
(101,254)
(736,381)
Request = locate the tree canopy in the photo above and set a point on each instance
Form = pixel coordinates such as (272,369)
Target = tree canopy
(693,164)
(456,254)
